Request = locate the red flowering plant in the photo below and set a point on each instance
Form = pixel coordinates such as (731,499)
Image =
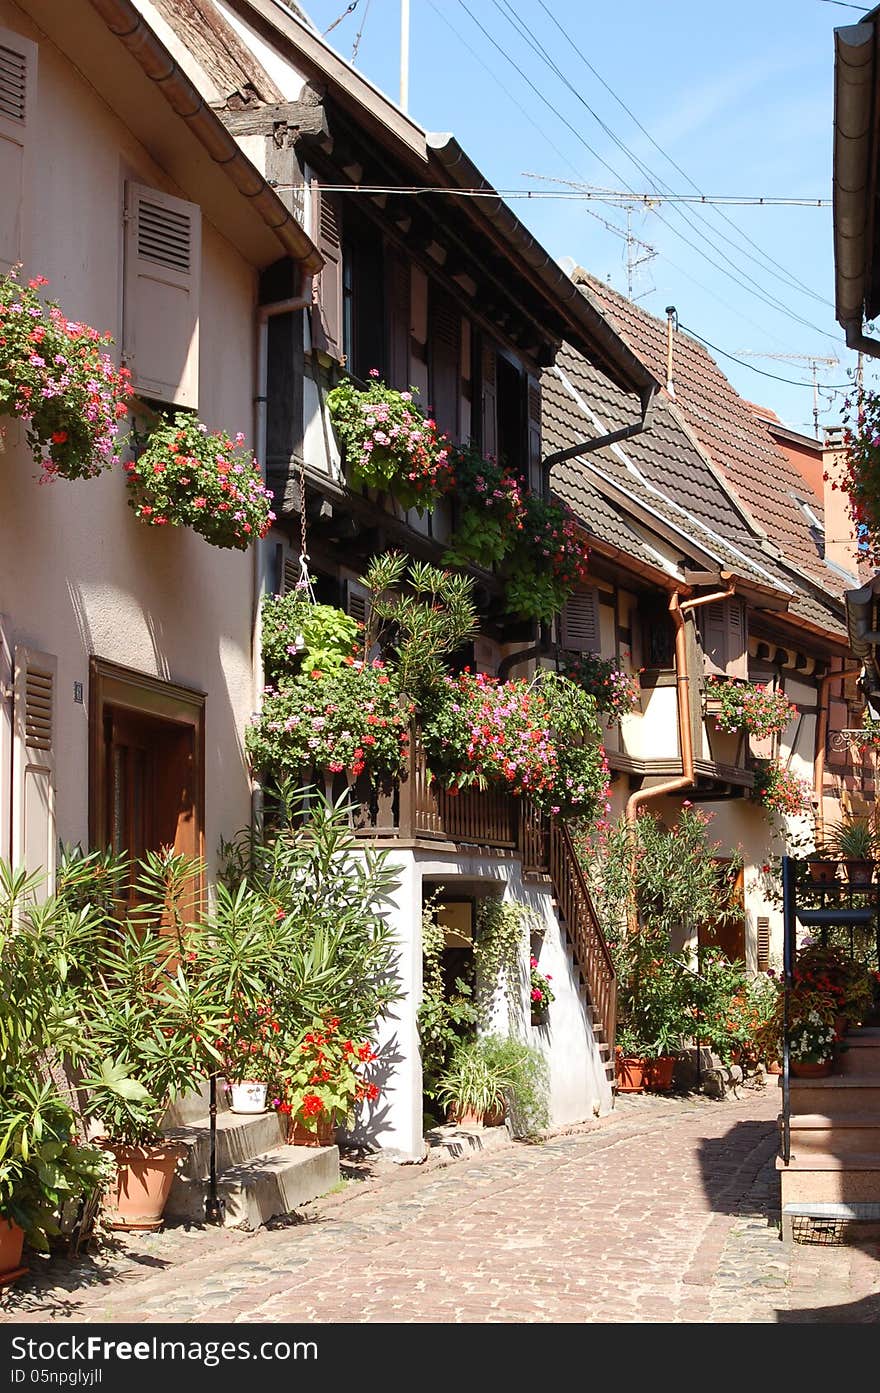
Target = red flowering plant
(779,790)
(182,475)
(753,707)
(490,513)
(540,991)
(350,718)
(548,561)
(860,478)
(57,376)
(323,1078)
(388,442)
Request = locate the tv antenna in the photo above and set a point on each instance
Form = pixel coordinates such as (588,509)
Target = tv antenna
(813,361)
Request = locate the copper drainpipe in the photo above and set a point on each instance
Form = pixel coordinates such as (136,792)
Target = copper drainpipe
(686,779)
(821,737)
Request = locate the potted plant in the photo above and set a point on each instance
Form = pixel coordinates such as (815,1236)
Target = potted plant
(388,443)
(540,992)
(184,476)
(630,1061)
(756,708)
(854,840)
(323,1080)
(814,1001)
(494,1077)
(489,510)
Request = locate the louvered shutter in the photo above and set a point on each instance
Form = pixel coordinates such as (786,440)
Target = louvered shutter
(33,771)
(737,645)
(160,336)
(714,635)
(327,312)
(357,601)
(6,740)
(445,350)
(398,288)
(18,69)
(763,925)
(579,623)
(533,411)
(489,373)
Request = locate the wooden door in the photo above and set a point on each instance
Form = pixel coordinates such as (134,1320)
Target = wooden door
(729,936)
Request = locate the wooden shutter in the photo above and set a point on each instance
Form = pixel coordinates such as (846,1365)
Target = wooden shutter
(714,635)
(327,314)
(533,417)
(33,772)
(18,70)
(579,623)
(6,737)
(489,373)
(357,601)
(445,354)
(763,923)
(160,337)
(737,645)
(398,299)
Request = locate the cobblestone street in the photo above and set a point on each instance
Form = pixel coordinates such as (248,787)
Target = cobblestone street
(665,1212)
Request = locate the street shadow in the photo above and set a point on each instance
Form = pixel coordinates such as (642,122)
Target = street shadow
(866,1311)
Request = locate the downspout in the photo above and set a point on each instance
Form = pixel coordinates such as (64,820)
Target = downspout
(587,447)
(686,779)
(264,313)
(825,684)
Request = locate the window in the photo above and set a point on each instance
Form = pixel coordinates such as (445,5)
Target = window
(444,349)
(146,780)
(724,637)
(510,421)
(18,72)
(658,637)
(160,321)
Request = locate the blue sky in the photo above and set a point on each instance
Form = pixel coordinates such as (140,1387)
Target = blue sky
(740,98)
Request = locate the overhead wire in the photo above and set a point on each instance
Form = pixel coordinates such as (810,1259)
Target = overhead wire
(737,272)
(791,381)
(675,165)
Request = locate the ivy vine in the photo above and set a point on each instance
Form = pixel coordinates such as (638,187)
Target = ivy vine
(501,933)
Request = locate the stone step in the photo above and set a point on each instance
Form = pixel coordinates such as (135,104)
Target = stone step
(830,1179)
(859,1055)
(240,1137)
(837,1096)
(263,1188)
(843,1136)
(192,1107)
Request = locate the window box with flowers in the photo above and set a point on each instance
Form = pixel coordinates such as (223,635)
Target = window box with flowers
(540,992)
(779,790)
(182,475)
(388,443)
(742,706)
(547,562)
(57,376)
(490,510)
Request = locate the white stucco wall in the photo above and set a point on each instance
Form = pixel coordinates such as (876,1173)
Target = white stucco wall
(78,574)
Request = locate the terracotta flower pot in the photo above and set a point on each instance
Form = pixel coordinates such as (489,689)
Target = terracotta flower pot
(632,1073)
(11,1243)
(660,1072)
(467,1117)
(143,1183)
(810,1068)
(298,1135)
(773,1066)
(859,872)
(822,872)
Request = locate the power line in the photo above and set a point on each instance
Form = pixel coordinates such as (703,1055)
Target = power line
(665,154)
(360,33)
(737,273)
(791,381)
(581,193)
(345,13)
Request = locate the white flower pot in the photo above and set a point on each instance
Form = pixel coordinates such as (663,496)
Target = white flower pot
(249,1096)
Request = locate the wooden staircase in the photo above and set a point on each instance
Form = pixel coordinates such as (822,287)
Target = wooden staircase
(833,1172)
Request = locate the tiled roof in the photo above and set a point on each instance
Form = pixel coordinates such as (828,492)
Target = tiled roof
(737,443)
(661,470)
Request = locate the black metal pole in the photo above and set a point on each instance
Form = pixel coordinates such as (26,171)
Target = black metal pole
(213,1205)
(789,920)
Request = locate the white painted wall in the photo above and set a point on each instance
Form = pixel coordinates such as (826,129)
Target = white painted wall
(78,574)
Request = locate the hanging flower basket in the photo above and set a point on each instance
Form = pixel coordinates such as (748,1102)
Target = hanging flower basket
(861,470)
(614,693)
(490,510)
(58,378)
(755,708)
(389,444)
(779,790)
(183,476)
(547,563)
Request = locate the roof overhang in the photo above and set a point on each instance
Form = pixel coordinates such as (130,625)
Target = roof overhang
(855,177)
(117,52)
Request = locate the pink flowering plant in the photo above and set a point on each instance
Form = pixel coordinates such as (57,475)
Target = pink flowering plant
(348,719)
(536,739)
(490,510)
(614,692)
(388,442)
(182,475)
(779,790)
(57,376)
(861,470)
(540,991)
(753,707)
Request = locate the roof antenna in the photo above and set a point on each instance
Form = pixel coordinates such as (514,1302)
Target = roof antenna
(671,327)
